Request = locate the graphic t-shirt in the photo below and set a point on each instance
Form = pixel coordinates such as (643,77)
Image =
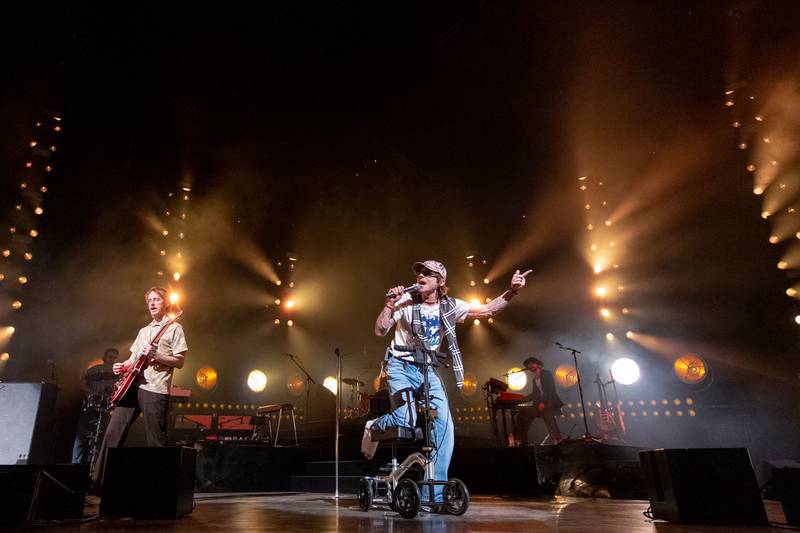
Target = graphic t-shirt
(431,323)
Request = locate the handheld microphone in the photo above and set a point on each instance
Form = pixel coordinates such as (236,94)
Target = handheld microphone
(411,288)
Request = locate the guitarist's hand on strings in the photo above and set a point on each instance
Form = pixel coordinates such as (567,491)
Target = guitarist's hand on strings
(120,368)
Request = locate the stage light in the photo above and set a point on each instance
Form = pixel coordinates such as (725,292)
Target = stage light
(601,291)
(783,265)
(4,356)
(278,282)
(38,210)
(16,304)
(791,291)
(690,368)
(257,381)
(6,252)
(22,280)
(605,313)
(472,283)
(290,323)
(490,320)
(517,378)
(598,268)
(610,336)
(629,334)
(2,277)
(486,281)
(174,297)
(470,386)
(277,301)
(608,223)
(474,303)
(330,384)
(590,227)
(566,376)
(33,233)
(10,330)
(625,371)
(28,256)
(295,384)
(765,214)
(206,378)
(176,276)
(625,311)
(289,304)
(476,322)
(277,321)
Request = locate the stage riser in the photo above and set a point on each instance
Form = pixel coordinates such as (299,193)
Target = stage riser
(247,467)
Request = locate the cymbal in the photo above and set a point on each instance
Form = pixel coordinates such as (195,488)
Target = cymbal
(352,382)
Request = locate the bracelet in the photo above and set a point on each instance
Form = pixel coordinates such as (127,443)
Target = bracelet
(512,291)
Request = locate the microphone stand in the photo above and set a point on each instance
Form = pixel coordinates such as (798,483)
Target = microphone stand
(587,437)
(309,381)
(338,410)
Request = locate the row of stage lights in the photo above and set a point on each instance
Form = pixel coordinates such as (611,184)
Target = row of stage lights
(689,369)
(766,145)
(477,297)
(286,307)
(173,229)
(15,250)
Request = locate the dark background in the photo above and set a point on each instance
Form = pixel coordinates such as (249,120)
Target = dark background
(365,136)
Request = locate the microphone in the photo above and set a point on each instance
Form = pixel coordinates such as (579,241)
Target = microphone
(411,288)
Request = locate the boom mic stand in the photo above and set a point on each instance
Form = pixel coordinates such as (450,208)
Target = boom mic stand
(587,437)
(309,381)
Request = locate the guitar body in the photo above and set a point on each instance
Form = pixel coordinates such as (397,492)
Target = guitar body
(123,385)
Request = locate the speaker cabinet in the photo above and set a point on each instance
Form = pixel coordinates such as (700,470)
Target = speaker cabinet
(52,492)
(703,486)
(27,418)
(148,482)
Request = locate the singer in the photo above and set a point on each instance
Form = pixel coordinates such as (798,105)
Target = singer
(152,396)
(427,313)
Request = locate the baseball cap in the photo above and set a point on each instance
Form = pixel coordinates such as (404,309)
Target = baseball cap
(433,266)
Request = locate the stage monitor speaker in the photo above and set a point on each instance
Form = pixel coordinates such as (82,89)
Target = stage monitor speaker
(30,493)
(27,418)
(784,485)
(148,482)
(703,486)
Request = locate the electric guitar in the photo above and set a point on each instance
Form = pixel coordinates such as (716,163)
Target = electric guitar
(124,383)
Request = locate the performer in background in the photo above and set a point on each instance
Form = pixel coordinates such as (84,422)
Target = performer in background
(97,384)
(546,404)
(430,315)
(151,396)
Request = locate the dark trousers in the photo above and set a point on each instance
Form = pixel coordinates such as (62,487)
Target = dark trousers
(153,406)
(526,415)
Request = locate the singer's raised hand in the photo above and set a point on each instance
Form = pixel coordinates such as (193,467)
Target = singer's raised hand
(518,280)
(394,294)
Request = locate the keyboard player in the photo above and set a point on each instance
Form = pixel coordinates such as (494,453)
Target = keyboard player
(545,404)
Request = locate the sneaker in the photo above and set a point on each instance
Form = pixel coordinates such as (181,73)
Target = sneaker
(368,448)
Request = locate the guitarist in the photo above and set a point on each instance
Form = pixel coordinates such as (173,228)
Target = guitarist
(546,404)
(150,392)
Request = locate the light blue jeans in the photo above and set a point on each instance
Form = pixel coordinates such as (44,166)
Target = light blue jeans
(405,376)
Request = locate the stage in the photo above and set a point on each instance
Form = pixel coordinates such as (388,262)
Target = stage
(319,512)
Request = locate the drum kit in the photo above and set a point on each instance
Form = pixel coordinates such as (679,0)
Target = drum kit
(358,399)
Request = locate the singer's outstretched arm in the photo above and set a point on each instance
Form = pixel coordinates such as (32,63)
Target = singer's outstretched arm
(495,306)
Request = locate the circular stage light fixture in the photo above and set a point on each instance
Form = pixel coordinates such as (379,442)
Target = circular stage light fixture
(566,376)
(690,368)
(625,371)
(470,386)
(330,384)
(257,381)
(517,378)
(206,377)
(296,384)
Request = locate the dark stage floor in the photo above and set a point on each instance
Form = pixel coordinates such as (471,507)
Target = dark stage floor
(318,512)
